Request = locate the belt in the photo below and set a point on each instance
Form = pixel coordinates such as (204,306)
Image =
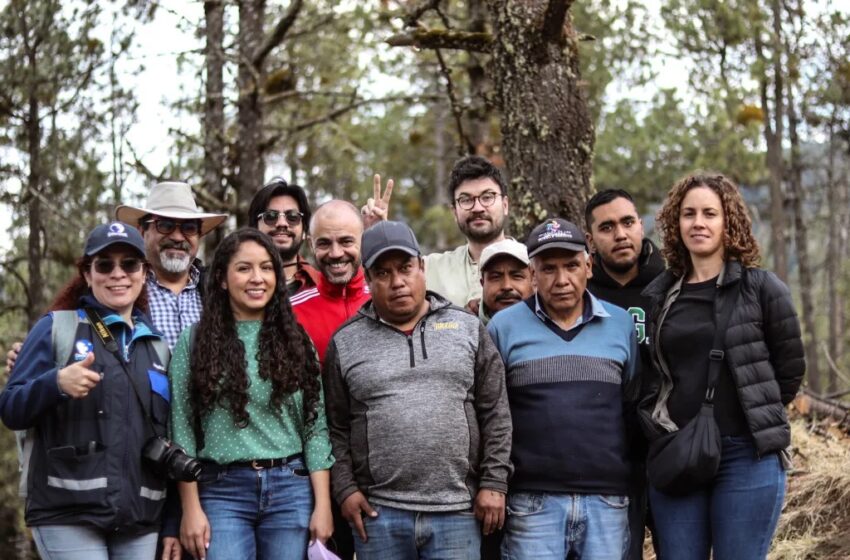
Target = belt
(258,464)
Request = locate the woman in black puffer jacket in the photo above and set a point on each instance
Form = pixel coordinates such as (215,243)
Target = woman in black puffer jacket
(712,257)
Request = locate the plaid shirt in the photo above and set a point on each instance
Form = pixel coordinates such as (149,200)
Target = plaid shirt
(170,312)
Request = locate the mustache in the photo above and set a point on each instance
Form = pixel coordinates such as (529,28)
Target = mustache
(504,296)
(283,229)
(481,216)
(181,245)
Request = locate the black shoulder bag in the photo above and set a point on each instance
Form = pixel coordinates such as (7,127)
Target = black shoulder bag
(681,461)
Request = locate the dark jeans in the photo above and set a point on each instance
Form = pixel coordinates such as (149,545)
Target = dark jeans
(735,515)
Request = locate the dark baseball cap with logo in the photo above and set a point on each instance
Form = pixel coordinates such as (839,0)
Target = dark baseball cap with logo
(114,233)
(388,236)
(555,233)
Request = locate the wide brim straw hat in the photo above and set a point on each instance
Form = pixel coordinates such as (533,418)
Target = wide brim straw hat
(171,199)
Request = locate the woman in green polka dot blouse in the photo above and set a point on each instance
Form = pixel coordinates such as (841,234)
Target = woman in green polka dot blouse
(247,401)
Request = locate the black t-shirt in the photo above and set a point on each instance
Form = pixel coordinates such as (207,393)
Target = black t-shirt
(687,335)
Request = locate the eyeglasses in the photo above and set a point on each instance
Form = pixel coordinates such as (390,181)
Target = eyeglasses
(166,226)
(270,217)
(128,265)
(468,202)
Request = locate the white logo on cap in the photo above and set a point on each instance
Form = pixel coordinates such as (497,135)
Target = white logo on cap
(554,231)
(116,230)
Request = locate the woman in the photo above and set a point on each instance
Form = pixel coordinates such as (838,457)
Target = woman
(713,258)
(90,410)
(248,402)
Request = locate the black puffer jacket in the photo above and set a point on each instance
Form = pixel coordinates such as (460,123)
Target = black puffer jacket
(764,353)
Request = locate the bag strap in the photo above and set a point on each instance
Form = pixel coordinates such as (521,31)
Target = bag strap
(109,342)
(717,354)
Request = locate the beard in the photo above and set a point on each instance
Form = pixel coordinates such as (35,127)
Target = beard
(324,267)
(619,267)
(490,232)
(292,251)
(175,265)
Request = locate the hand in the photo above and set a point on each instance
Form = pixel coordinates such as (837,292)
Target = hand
(321,523)
(489,508)
(171,548)
(353,509)
(377,207)
(12,356)
(195,532)
(473,304)
(77,379)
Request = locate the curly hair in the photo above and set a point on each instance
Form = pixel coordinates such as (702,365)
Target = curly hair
(69,295)
(218,366)
(738,240)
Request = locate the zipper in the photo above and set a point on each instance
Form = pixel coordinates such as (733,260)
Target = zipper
(422,338)
(410,346)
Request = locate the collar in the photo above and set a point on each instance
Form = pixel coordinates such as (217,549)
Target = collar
(354,287)
(194,277)
(142,326)
(592,308)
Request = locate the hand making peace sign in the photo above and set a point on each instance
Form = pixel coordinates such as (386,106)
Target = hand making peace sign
(377,207)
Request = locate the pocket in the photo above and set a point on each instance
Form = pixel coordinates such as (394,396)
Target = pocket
(616,502)
(524,503)
(297,468)
(77,474)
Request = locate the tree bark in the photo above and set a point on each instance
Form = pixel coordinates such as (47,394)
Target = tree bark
(250,118)
(802,244)
(478,115)
(773,133)
(214,148)
(834,258)
(547,134)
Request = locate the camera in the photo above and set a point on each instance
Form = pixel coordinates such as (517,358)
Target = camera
(171,460)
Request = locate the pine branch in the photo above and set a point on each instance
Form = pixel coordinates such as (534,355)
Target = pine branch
(280,30)
(443,39)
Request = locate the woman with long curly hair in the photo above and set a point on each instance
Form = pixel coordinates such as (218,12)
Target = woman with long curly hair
(247,401)
(713,262)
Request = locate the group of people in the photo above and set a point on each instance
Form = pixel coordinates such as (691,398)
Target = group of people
(494,401)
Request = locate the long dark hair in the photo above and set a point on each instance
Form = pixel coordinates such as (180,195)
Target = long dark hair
(285,354)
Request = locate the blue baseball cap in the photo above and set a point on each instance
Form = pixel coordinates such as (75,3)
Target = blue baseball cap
(114,233)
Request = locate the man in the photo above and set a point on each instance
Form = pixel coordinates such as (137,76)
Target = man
(568,357)
(624,263)
(480,205)
(505,277)
(417,413)
(335,232)
(172,227)
(281,211)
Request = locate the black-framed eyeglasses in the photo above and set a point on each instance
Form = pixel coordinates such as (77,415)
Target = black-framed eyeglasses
(468,202)
(128,265)
(166,226)
(270,217)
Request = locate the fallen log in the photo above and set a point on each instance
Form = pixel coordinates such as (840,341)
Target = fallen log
(810,404)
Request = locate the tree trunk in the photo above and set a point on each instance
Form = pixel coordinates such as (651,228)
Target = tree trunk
(834,258)
(35,291)
(250,119)
(547,135)
(478,115)
(802,242)
(214,155)
(773,133)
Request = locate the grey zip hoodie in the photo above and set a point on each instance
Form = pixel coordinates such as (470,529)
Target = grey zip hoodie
(421,421)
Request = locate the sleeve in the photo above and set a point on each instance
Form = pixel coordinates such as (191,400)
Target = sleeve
(494,415)
(317,443)
(33,386)
(180,423)
(343,483)
(782,336)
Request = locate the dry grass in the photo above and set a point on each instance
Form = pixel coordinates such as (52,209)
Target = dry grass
(815,522)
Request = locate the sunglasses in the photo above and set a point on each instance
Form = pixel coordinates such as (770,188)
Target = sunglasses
(270,217)
(128,265)
(167,226)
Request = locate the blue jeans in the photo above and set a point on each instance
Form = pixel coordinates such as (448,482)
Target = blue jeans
(735,515)
(398,534)
(550,526)
(81,542)
(261,514)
